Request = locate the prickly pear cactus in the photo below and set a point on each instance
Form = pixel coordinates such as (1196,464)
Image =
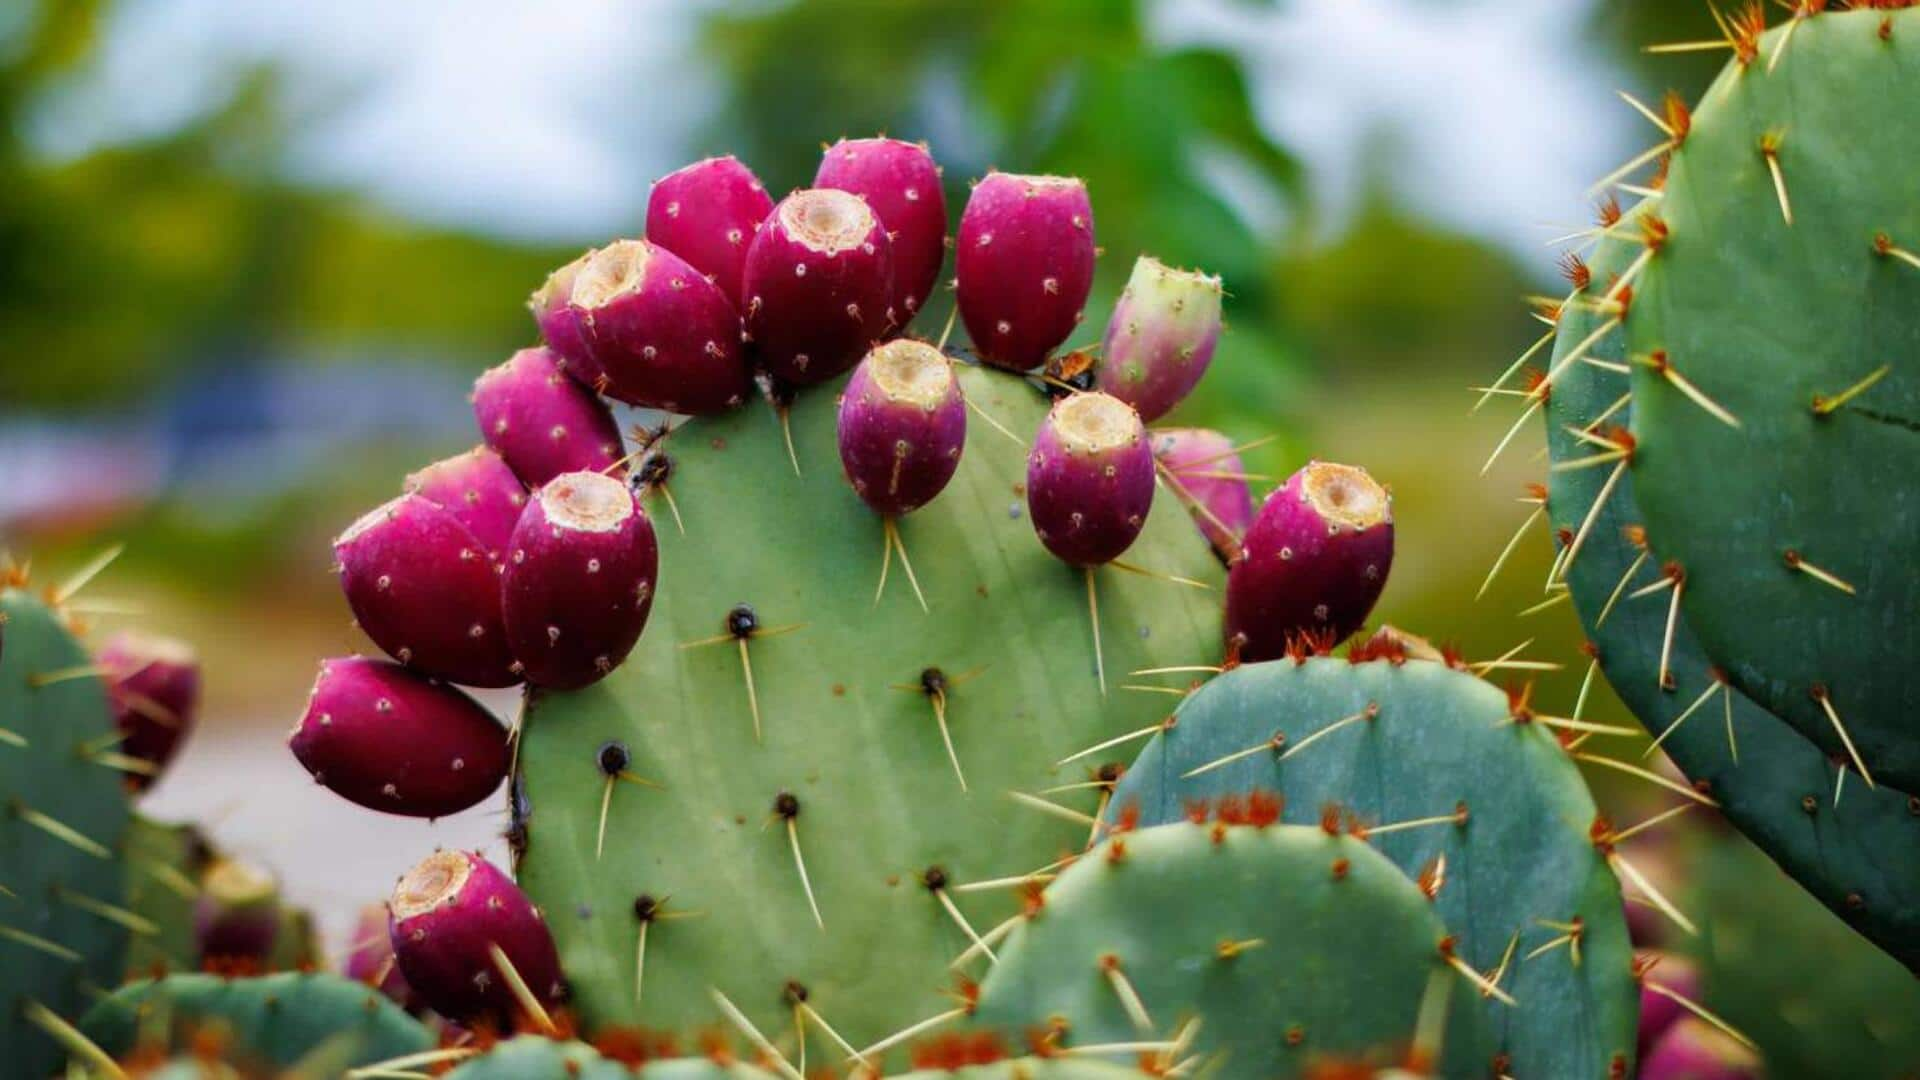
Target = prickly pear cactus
(1263,949)
(532,1057)
(1464,789)
(811,827)
(63,818)
(163,865)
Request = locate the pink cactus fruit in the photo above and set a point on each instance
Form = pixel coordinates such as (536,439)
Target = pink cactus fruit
(153,684)
(236,916)
(662,334)
(541,422)
(901,182)
(463,932)
(370,958)
(707,213)
(1204,471)
(1693,1049)
(1658,1010)
(560,325)
(1313,563)
(423,587)
(384,737)
(579,580)
(1023,265)
(479,491)
(1090,479)
(902,426)
(819,282)
(1161,338)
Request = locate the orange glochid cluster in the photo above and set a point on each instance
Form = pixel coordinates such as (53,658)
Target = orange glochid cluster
(954,1051)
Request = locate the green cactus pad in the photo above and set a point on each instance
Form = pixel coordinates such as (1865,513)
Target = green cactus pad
(847,731)
(63,818)
(532,1057)
(276,1019)
(164,863)
(1032,1068)
(1336,952)
(1442,739)
(1860,855)
(1764,319)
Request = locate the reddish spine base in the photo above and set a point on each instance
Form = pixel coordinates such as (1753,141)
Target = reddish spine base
(381,736)
(236,917)
(541,422)
(479,491)
(1314,561)
(818,282)
(424,589)
(1693,1049)
(663,335)
(446,915)
(707,213)
(154,687)
(901,182)
(579,583)
(902,426)
(1211,480)
(1023,265)
(559,325)
(1089,479)
(370,959)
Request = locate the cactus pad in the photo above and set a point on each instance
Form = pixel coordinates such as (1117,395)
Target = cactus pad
(1030,1068)
(1501,826)
(164,864)
(532,1057)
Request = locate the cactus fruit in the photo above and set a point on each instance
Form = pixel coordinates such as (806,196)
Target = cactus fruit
(1204,470)
(579,581)
(1693,1049)
(63,815)
(384,737)
(470,943)
(560,326)
(1161,337)
(153,684)
(901,182)
(1090,479)
(1023,266)
(237,916)
(1659,1011)
(1284,944)
(425,589)
(1313,562)
(370,959)
(479,491)
(902,425)
(659,333)
(819,284)
(707,213)
(541,422)
(1462,787)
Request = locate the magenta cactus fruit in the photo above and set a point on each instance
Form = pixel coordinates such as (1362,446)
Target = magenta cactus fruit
(423,587)
(1161,337)
(384,737)
(662,334)
(1693,1049)
(462,932)
(900,181)
(236,917)
(1658,1011)
(1207,475)
(560,325)
(1024,264)
(707,213)
(1313,562)
(479,491)
(153,684)
(541,422)
(819,284)
(370,958)
(579,580)
(902,426)
(1090,479)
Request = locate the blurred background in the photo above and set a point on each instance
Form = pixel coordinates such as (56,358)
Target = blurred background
(252,256)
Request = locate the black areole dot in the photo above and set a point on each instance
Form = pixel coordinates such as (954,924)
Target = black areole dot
(741,621)
(796,991)
(645,907)
(613,757)
(787,805)
(935,878)
(1110,773)
(933,682)
(655,470)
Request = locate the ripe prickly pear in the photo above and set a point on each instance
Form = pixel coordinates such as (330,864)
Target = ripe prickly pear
(818,285)
(541,422)
(479,491)
(1161,337)
(661,333)
(388,739)
(423,587)
(1313,562)
(707,213)
(560,325)
(1205,472)
(457,924)
(900,181)
(153,684)
(1090,479)
(902,426)
(236,916)
(370,958)
(1024,265)
(1693,1049)
(579,580)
